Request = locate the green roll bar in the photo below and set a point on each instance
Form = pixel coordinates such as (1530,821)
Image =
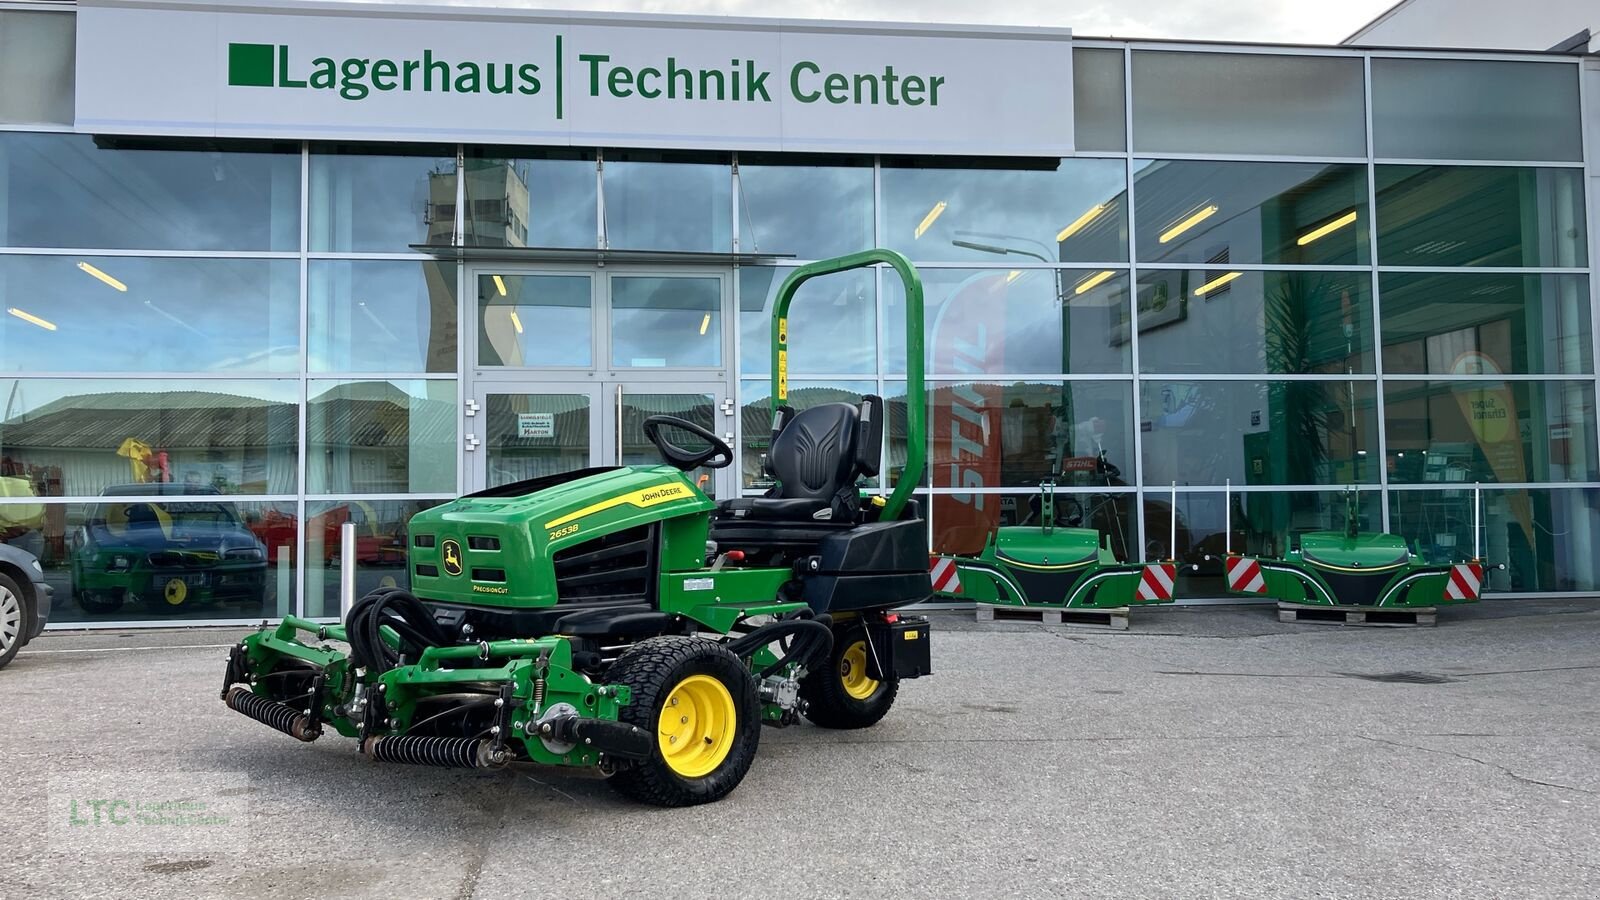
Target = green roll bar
(916,396)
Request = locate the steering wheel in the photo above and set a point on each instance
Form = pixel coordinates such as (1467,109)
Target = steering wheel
(718,455)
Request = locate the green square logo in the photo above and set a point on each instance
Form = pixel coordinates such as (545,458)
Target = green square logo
(250,65)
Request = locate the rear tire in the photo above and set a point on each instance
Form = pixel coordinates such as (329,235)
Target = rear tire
(703,752)
(841,694)
(15,620)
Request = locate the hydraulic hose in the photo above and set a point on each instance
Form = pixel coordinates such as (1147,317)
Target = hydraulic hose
(402,612)
(810,637)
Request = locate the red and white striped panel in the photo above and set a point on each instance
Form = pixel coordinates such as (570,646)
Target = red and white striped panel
(1155,583)
(1465,580)
(1244,576)
(945,578)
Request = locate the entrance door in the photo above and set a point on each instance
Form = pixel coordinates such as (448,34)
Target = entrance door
(570,360)
(517,430)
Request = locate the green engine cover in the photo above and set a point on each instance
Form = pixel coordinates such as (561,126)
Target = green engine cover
(501,550)
(1369,550)
(1062,546)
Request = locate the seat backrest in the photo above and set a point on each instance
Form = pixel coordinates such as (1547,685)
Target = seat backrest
(814,456)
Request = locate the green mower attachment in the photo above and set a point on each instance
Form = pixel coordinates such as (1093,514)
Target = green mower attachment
(1051,566)
(1354,568)
(617,620)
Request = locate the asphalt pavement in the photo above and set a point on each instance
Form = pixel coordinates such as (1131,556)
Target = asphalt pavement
(1208,752)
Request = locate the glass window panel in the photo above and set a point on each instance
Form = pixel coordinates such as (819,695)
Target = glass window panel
(1544,538)
(1259,432)
(1480,216)
(1248,103)
(543,199)
(381,202)
(1254,323)
(380,557)
(994,321)
(755,410)
(1243,212)
(1099,107)
(381,316)
(1475,109)
(127,314)
(535,320)
(84,436)
(657,201)
(988,434)
(1490,431)
(666,320)
(895,396)
(379,437)
(1070,210)
(67,190)
(516,447)
(37,55)
(832,322)
(112,560)
(1267,523)
(1437,322)
(962,523)
(807,208)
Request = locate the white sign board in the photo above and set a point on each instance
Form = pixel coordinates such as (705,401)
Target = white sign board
(383,72)
(536,425)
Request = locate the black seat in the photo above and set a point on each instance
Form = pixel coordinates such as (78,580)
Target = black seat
(817,456)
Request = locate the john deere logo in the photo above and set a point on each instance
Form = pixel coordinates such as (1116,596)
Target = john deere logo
(452,558)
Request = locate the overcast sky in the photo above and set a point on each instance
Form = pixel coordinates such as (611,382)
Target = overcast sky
(1291,21)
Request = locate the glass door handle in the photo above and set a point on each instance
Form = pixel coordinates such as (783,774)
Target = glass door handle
(619,425)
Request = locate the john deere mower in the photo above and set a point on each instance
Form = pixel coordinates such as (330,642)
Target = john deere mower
(1051,565)
(1353,568)
(618,621)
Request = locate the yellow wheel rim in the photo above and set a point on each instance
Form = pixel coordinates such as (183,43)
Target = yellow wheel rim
(853,672)
(177,591)
(696,728)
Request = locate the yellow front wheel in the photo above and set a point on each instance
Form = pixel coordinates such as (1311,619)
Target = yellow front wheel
(695,729)
(701,703)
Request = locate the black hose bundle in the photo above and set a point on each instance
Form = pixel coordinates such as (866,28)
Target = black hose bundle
(401,611)
(809,638)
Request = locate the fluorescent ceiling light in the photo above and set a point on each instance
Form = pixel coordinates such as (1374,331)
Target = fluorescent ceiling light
(1215,283)
(1327,229)
(91,270)
(1093,281)
(515,322)
(33,319)
(1077,225)
(930,218)
(500,285)
(705,322)
(1188,223)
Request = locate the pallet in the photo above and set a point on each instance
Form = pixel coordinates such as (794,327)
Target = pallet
(1370,616)
(1103,619)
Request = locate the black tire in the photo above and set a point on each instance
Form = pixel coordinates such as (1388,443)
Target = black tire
(16,619)
(98,603)
(654,670)
(829,701)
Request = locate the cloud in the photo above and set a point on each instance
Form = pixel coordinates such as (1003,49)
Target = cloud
(1289,21)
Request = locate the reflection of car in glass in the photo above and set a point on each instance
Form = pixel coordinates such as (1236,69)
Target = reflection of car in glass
(374,544)
(169,557)
(24,601)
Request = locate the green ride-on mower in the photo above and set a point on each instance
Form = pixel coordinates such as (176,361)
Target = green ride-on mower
(1353,568)
(1054,564)
(616,620)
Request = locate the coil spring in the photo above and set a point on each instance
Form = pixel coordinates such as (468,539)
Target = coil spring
(272,714)
(445,752)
